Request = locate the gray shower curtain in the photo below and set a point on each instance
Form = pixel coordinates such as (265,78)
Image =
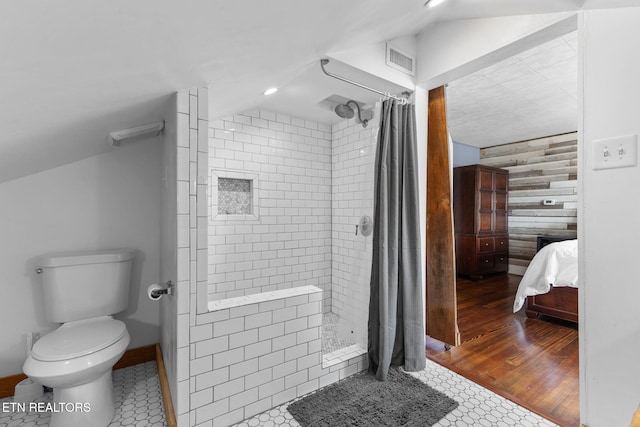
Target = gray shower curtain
(396,318)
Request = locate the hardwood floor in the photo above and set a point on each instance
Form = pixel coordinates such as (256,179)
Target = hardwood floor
(533,362)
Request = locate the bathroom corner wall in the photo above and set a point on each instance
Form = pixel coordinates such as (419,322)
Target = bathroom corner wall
(185,245)
(103,202)
(289,244)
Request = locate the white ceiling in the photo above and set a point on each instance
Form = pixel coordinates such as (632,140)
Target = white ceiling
(74,70)
(306,95)
(531,95)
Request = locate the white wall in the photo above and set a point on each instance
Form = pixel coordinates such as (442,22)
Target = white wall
(107,201)
(609,231)
(170,307)
(464,155)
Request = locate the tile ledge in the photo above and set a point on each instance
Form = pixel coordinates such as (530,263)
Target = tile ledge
(343,355)
(262,297)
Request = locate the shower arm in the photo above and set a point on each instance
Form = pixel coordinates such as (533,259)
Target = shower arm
(363,121)
(325,61)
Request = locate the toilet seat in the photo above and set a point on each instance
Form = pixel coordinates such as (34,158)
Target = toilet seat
(78,338)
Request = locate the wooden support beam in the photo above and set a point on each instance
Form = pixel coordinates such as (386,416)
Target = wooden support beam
(441,313)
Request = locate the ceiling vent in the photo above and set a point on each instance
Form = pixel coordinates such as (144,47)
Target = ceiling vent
(400,60)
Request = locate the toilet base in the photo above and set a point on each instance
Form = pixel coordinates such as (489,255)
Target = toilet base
(89,404)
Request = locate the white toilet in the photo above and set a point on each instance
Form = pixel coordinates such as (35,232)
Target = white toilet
(82,291)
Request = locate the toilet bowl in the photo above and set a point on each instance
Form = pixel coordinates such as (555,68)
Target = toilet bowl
(82,291)
(76,361)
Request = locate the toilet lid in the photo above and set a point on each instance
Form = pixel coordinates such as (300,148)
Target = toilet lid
(79,338)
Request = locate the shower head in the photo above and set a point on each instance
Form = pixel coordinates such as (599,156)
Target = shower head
(346,112)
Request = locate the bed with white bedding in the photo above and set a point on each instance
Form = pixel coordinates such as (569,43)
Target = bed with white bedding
(549,286)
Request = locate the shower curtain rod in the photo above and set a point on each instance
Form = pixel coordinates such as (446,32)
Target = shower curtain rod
(325,61)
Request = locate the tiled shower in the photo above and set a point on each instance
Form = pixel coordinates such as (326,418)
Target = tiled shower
(301,188)
(288,266)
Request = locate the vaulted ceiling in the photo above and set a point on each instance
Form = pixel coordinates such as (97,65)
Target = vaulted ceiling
(72,70)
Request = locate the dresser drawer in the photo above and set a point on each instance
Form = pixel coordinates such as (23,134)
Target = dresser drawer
(492,263)
(486,262)
(486,244)
(501,261)
(502,244)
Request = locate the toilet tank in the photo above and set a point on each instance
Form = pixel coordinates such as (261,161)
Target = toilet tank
(82,285)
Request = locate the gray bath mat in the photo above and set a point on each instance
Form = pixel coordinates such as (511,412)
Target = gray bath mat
(361,400)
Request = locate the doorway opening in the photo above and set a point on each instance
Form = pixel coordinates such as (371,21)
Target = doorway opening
(526,360)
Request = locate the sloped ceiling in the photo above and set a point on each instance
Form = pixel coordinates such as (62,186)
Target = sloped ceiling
(73,70)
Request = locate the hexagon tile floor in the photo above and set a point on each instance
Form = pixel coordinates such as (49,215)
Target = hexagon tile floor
(478,406)
(139,403)
(137,398)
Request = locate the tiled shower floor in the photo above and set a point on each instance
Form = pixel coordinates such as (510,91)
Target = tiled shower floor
(137,396)
(331,341)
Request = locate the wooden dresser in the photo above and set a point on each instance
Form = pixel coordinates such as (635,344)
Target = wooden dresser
(480,220)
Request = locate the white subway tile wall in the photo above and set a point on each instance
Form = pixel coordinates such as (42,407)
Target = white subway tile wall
(262,351)
(290,244)
(353,159)
(191,251)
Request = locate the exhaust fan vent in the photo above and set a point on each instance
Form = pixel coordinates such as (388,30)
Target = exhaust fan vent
(400,61)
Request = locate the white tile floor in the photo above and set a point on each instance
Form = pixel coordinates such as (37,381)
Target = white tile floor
(137,398)
(139,403)
(478,406)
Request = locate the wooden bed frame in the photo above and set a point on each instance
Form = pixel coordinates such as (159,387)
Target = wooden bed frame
(561,302)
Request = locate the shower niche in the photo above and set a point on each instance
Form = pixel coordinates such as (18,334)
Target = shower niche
(234,196)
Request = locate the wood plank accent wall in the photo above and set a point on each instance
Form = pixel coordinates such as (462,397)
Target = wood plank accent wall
(544,168)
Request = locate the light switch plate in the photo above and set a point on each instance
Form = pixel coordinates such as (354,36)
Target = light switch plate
(617,152)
